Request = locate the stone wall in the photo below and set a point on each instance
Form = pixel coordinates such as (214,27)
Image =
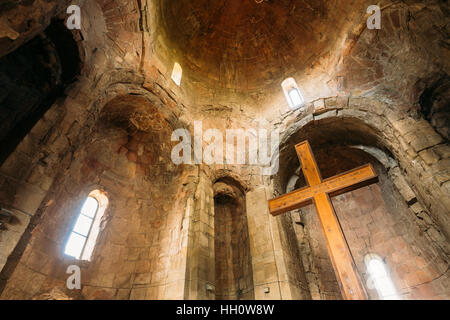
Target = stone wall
(112,129)
(140,240)
(183,268)
(233,262)
(421,153)
(375,220)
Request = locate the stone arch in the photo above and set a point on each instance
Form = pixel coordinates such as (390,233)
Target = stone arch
(350,138)
(420,151)
(233,264)
(216,266)
(131,160)
(54,61)
(351,130)
(434,103)
(51,139)
(230,177)
(65,129)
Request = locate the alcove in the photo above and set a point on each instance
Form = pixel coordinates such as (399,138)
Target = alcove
(234,275)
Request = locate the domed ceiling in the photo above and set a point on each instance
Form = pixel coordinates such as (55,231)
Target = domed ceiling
(248,45)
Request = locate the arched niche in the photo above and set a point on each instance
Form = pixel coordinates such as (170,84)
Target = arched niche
(375,219)
(32,78)
(435,104)
(137,252)
(327,132)
(233,264)
(143,184)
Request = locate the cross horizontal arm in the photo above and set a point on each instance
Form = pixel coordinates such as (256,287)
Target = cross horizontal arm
(351,180)
(339,184)
(291,201)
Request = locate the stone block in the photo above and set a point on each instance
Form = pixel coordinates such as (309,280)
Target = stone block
(331,102)
(29,198)
(443,150)
(404,126)
(429,156)
(326,115)
(17,166)
(319,106)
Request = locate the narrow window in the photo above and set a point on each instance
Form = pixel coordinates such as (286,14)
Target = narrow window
(84,234)
(177,73)
(292,93)
(291,184)
(296,214)
(379,277)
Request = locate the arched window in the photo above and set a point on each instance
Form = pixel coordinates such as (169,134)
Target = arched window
(84,234)
(379,277)
(292,93)
(297,218)
(177,73)
(291,183)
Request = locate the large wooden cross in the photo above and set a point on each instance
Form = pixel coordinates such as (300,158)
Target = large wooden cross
(319,192)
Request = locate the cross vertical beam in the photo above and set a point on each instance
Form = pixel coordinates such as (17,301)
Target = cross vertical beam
(341,257)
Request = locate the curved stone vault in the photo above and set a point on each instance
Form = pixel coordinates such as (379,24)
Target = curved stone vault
(95,110)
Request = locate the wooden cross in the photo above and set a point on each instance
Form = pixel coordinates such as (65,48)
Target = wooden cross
(319,192)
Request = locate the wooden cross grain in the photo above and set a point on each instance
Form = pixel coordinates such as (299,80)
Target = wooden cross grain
(319,192)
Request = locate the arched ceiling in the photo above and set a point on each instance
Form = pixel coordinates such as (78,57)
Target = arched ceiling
(244,45)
